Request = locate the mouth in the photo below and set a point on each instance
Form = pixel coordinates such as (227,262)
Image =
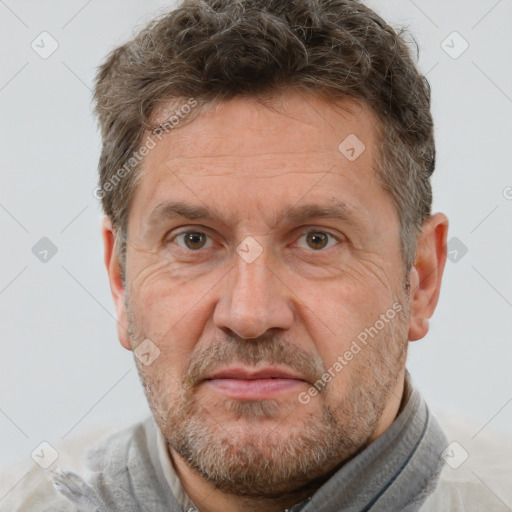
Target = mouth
(246,384)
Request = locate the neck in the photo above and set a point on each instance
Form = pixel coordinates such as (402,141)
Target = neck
(208,498)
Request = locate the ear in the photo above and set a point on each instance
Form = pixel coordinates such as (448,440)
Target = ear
(426,274)
(116,284)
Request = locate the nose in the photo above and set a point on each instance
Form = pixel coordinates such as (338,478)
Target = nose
(253,300)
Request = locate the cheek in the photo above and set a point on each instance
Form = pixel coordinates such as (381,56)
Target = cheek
(170,309)
(161,387)
(337,311)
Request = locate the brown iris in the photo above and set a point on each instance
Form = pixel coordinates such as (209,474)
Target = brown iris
(194,240)
(317,239)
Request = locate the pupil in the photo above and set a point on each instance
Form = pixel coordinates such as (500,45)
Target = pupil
(318,239)
(194,240)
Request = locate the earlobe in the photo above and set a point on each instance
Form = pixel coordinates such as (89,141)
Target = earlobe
(426,274)
(115,278)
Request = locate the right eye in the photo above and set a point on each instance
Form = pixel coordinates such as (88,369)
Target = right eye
(192,240)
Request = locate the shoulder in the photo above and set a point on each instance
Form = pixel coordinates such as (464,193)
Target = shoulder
(29,485)
(477,473)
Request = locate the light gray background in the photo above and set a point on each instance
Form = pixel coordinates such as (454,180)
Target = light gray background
(61,367)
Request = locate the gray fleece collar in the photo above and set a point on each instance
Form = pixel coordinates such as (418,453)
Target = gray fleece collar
(394,473)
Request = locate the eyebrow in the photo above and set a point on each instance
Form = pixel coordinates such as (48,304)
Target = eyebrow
(297,213)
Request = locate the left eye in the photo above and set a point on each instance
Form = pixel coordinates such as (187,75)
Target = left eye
(192,240)
(318,240)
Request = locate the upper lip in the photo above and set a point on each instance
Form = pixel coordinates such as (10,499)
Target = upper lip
(251,374)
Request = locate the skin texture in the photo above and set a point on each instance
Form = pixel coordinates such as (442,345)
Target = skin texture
(298,306)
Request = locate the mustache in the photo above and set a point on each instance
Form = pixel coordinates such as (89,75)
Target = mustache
(263,351)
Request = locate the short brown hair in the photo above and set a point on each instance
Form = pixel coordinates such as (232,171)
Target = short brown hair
(213,50)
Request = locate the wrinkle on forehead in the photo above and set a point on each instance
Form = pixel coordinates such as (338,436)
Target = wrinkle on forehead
(241,156)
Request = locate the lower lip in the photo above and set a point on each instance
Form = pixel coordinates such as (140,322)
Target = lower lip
(257,389)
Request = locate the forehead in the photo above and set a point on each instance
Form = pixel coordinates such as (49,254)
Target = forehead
(240,150)
(291,122)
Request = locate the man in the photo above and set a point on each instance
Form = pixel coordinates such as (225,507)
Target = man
(271,251)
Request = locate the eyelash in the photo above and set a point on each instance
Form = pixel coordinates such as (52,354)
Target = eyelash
(302,234)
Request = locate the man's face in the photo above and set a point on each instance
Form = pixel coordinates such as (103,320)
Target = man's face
(252,294)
